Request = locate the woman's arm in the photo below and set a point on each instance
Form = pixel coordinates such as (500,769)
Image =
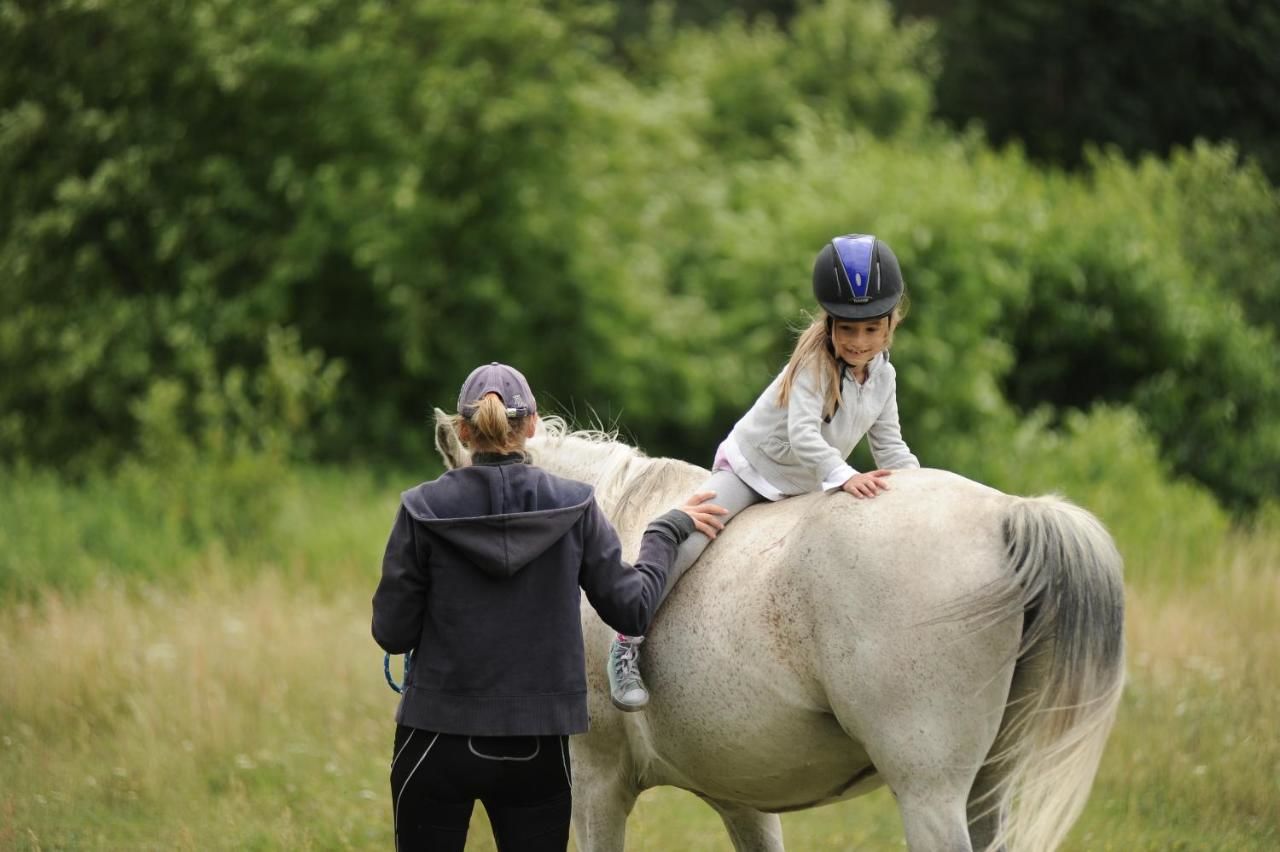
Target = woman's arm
(625,596)
(400,601)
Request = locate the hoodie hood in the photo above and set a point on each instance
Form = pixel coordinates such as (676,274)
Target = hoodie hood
(500,544)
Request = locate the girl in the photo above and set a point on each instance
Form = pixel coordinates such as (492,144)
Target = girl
(837,387)
(481,580)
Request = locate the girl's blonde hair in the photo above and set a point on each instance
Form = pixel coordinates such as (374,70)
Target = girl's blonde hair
(490,430)
(813,352)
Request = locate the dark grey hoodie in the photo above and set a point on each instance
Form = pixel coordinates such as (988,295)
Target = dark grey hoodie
(481,580)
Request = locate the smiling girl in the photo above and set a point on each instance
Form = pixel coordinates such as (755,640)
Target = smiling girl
(837,388)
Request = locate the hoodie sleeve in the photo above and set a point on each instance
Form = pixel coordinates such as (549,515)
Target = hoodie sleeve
(401,598)
(885,438)
(627,597)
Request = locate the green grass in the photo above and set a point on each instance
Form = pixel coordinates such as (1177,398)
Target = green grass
(232,699)
(141,526)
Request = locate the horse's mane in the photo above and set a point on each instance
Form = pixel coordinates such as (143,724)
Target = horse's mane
(625,476)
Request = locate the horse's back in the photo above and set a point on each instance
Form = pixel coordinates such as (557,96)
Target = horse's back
(932,536)
(786,576)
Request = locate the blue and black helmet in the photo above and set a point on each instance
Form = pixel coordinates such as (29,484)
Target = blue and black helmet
(857,277)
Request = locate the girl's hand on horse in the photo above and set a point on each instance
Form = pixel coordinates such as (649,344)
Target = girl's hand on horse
(867,484)
(704,514)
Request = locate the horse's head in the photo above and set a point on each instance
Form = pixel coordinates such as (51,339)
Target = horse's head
(449,444)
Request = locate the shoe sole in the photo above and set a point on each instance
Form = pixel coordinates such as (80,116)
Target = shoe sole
(629,708)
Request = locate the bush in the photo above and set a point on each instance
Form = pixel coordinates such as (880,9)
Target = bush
(286,230)
(1137,297)
(178,181)
(1145,77)
(1108,462)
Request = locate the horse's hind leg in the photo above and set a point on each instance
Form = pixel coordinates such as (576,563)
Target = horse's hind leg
(749,829)
(929,757)
(928,752)
(934,821)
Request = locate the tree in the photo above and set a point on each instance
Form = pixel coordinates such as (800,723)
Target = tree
(1143,76)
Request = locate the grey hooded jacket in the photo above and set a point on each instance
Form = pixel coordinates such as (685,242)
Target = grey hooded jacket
(796,451)
(481,580)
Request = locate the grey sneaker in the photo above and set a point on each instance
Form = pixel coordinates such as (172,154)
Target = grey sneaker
(625,686)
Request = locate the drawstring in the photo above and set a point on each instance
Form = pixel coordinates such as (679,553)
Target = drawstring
(844,368)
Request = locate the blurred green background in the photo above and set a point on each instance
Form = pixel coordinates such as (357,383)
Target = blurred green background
(246,246)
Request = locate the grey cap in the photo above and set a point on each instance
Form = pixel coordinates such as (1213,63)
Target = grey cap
(507,382)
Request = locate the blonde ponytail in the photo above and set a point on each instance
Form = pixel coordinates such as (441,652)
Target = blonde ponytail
(489,430)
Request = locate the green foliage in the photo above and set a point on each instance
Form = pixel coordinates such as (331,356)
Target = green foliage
(1169,529)
(1221,215)
(690,273)
(146,160)
(181,181)
(854,66)
(1143,76)
(172,525)
(751,84)
(1137,296)
(240,235)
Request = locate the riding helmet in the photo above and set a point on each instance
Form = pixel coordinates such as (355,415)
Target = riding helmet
(857,277)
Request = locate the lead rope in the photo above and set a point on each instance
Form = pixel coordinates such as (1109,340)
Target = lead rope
(386,670)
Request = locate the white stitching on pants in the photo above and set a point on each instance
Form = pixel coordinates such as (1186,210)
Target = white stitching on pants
(395,822)
(564,759)
(412,731)
(537,748)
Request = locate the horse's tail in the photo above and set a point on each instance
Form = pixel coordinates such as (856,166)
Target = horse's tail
(1070,671)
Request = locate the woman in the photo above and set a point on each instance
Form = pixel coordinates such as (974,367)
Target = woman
(481,580)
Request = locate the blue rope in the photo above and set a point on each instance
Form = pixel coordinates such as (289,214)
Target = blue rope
(386,670)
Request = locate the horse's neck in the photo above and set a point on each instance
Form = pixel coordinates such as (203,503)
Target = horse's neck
(652,487)
(600,464)
(630,487)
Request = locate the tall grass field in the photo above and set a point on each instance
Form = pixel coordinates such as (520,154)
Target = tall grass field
(168,684)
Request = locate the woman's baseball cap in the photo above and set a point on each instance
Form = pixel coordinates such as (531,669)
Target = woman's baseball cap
(507,382)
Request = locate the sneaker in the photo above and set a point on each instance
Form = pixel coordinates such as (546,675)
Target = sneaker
(625,686)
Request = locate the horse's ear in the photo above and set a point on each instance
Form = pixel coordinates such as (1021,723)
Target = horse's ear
(447,443)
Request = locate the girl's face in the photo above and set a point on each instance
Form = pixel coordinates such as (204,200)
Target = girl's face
(859,341)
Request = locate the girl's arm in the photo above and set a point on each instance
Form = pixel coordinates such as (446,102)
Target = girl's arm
(804,428)
(885,439)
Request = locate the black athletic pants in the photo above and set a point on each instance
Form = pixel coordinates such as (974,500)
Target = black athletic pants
(523,783)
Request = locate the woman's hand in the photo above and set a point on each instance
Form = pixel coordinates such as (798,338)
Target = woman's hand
(704,514)
(867,484)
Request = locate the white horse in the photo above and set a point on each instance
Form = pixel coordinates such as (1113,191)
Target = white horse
(960,645)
